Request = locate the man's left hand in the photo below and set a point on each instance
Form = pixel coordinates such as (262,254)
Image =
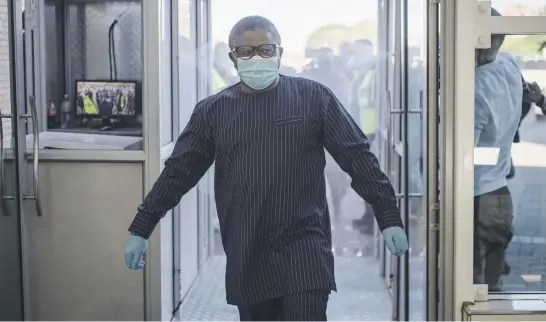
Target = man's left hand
(534,92)
(396,240)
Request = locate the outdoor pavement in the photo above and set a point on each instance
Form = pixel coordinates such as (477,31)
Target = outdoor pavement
(526,253)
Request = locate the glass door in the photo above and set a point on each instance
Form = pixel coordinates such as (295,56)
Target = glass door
(386,92)
(518,36)
(411,154)
(12,146)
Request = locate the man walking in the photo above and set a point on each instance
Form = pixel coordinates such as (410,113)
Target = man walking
(267,135)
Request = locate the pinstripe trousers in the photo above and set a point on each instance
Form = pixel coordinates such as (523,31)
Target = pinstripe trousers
(304,306)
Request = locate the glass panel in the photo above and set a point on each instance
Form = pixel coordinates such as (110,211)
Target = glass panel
(417,221)
(166,111)
(520,7)
(510,167)
(187,94)
(187,64)
(92,73)
(11,305)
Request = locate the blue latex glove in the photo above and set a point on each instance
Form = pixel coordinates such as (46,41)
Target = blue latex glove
(134,249)
(396,240)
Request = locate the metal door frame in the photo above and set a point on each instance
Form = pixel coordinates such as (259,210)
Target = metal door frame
(19,119)
(383,47)
(393,147)
(466,25)
(429,192)
(381,78)
(430,200)
(389,132)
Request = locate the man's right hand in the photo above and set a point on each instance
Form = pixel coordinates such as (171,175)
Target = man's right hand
(134,250)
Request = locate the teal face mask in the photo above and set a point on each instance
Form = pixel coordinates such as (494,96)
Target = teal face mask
(258,73)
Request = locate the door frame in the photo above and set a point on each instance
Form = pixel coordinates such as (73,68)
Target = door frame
(389,129)
(18,99)
(15,153)
(392,136)
(466,26)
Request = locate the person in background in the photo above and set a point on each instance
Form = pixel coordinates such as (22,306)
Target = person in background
(267,136)
(324,71)
(223,75)
(89,105)
(362,104)
(497,100)
(346,52)
(532,94)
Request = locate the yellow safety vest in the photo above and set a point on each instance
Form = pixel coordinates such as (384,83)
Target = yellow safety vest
(89,106)
(366,104)
(122,102)
(218,82)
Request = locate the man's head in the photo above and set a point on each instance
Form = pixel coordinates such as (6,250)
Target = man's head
(363,47)
(255,49)
(485,56)
(362,56)
(325,57)
(254,31)
(346,50)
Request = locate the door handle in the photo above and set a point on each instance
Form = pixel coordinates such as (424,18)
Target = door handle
(35,157)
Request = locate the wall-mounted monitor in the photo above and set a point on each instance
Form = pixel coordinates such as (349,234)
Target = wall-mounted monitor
(106,98)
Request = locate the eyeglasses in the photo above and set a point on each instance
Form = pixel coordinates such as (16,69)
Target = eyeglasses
(247,52)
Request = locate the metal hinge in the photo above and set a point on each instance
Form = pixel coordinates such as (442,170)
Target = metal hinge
(433,209)
(482,32)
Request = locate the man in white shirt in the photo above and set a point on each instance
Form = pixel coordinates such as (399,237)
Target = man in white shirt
(498,99)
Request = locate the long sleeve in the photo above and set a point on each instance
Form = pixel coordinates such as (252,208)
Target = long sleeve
(192,156)
(348,145)
(481,114)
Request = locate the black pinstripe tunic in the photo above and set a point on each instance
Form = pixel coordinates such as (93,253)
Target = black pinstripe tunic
(269,183)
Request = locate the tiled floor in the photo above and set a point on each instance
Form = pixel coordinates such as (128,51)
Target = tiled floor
(362,294)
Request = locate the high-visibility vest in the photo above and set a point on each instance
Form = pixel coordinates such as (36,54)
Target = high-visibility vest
(122,102)
(89,106)
(366,104)
(218,82)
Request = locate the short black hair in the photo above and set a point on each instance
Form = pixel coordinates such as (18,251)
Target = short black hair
(365,42)
(253,23)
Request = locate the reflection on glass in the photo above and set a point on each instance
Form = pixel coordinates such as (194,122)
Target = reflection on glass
(520,7)
(510,227)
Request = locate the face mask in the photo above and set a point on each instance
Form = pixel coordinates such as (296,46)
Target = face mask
(258,73)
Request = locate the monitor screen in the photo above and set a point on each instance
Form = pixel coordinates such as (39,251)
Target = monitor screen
(106,98)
